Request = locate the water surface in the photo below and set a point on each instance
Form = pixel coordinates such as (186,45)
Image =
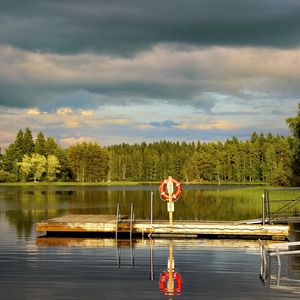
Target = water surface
(74,268)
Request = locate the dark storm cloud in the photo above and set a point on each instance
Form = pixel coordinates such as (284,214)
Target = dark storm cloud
(123,27)
(85,54)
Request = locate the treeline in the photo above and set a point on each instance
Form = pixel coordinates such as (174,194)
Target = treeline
(260,159)
(266,159)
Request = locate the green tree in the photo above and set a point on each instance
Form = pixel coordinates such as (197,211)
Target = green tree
(34,167)
(89,162)
(7,177)
(19,146)
(14,153)
(65,173)
(294,125)
(28,144)
(52,167)
(10,159)
(280,176)
(39,163)
(270,162)
(50,146)
(40,142)
(26,166)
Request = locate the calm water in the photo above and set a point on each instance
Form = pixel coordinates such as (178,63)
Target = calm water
(73,268)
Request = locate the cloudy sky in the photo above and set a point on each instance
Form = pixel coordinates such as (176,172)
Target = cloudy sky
(133,70)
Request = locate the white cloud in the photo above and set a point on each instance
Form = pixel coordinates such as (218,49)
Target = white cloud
(69,141)
(64,111)
(219,124)
(86,113)
(34,111)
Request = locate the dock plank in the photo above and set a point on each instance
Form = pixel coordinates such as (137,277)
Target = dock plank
(107,224)
(86,219)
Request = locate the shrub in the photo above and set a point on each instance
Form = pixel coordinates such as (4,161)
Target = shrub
(7,177)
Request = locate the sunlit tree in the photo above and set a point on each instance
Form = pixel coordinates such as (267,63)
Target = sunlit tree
(294,125)
(33,166)
(52,167)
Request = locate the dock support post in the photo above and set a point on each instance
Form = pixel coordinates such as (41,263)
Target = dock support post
(263,210)
(151,208)
(170,192)
(267,200)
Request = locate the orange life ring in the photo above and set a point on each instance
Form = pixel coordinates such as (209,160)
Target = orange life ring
(164,193)
(163,283)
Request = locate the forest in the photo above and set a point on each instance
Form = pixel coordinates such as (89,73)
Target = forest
(262,158)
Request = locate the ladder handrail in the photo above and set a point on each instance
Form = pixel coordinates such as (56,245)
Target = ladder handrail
(286,244)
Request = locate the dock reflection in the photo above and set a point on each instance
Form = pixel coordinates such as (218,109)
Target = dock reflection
(90,242)
(170,282)
(164,269)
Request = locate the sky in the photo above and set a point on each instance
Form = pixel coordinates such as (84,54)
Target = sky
(114,71)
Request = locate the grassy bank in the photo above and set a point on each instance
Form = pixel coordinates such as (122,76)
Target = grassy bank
(68,183)
(125,183)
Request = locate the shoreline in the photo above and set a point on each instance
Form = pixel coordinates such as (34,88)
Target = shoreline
(123,183)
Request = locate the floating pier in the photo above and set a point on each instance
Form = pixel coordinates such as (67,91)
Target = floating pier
(110,225)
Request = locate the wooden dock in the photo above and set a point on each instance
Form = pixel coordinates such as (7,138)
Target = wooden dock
(107,224)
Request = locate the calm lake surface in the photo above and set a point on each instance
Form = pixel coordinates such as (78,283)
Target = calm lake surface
(34,267)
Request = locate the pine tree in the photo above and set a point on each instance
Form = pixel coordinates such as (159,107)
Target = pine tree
(40,142)
(65,173)
(19,143)
(28,144)
(50,146)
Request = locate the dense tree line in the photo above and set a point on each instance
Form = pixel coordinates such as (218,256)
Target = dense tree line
(267,159)
(260,159)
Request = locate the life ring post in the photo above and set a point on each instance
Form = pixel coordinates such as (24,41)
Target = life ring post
(170,191)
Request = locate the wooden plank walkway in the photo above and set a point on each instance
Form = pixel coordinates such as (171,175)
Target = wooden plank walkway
(107,224)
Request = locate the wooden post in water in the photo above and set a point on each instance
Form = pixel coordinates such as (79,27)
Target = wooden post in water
(170,192)
(151,208)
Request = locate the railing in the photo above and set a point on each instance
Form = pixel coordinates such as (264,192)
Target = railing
(118,249)
(274,250)
(118,217)
(132,216)
(282,213)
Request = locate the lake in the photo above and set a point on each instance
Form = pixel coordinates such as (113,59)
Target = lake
(83,268)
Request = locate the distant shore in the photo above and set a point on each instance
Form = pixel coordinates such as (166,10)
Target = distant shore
(120,183)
